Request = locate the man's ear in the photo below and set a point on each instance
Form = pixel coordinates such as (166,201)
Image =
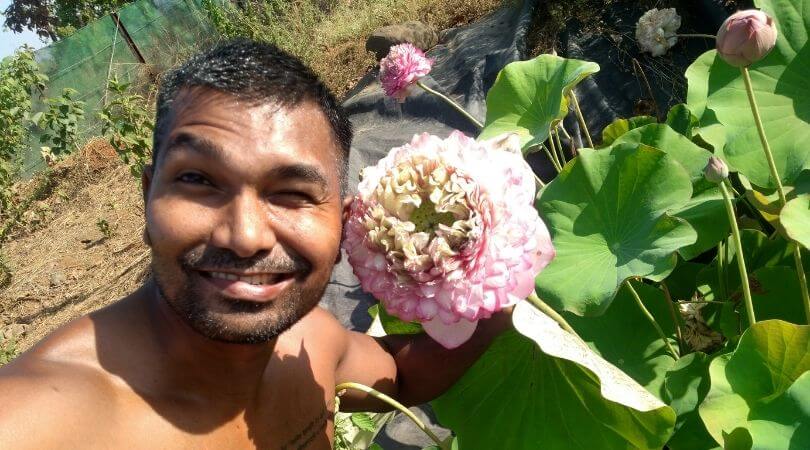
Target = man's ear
(347,203)
(146,184)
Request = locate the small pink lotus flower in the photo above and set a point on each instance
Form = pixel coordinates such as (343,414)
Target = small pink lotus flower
(716,170)
(404,66)
(746,37)
(444,232)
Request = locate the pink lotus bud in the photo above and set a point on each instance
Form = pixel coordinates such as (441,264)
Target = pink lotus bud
(716,170)
(404,66)
(746,37)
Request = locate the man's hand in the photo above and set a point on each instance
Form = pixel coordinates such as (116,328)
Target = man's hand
(413,369)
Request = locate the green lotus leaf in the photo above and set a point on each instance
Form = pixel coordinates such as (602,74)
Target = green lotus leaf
(781,91)
(705,211)
(624,336)
(775,294)
(607,212)
(756,387)
(795,219)
(529,97)
(686,384)
(547,390)
(681,119)
(620,126)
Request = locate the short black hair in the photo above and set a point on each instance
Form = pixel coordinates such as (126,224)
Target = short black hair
(256,72)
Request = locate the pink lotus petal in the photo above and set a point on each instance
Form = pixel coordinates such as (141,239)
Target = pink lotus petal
(450,336)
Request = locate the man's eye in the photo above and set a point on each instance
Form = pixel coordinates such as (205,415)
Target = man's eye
(193,178)
(297,197)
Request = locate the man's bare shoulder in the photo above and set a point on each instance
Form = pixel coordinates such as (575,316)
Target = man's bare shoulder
(56,387)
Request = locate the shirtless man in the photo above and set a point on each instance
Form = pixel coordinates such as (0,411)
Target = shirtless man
(224,346)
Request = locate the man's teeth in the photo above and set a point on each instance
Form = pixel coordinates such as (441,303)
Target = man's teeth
(266,278)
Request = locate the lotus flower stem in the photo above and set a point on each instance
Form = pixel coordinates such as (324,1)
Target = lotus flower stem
(549,311)
(797,257)
(570,139)
(384,398)
(552,156)
(768,154)
(651,319)
(560,148)
(540,183)
(696,35)
(581,119)
(735,234)
(673,314)
(450,102)
(721,269)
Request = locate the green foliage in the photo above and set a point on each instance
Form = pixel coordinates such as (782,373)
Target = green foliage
(19,78)
(685,386)
(625,338)
(608,213)
(107,230)
(705,211)
(129,123)
(60,123)
(622,126)
(393,325)
(764,386)
(795,218)
(530,97)
(56,19)
(781,89)
(519,398)
(8,350)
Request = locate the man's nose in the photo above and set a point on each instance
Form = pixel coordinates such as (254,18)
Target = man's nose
(245,228)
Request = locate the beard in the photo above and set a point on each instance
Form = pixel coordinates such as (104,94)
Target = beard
(232,320)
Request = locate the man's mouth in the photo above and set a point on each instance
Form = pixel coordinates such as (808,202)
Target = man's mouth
(255,287)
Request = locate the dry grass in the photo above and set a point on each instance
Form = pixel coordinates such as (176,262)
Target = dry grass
(330,35)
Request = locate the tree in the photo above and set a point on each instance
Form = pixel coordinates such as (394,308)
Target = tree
(56,19)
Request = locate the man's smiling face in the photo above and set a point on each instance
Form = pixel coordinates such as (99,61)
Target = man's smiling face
(243,213)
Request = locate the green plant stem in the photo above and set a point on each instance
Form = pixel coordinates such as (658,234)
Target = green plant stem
(651,319)
(735,235)
(673,315)
(581,118)
(797,258)
(560,148)
(552,156)
(384,398)
(697,35)
(549,311)
(721,269)
(767,148)
(570,140)
(749,89)
(451,103)
(703,301)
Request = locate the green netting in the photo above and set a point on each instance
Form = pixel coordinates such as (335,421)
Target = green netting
(163,31)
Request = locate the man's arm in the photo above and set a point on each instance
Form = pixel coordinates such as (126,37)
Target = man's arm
(413,369)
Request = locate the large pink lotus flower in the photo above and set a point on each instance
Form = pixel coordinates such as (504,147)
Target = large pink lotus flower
(444,232)
(404,66)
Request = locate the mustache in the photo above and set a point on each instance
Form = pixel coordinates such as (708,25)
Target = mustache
(212,258)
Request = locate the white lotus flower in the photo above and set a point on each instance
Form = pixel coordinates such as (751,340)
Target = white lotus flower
(656,30)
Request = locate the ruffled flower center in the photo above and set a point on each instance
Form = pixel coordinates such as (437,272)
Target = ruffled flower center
(423,218)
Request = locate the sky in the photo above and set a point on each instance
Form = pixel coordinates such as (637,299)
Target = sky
(11,41)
